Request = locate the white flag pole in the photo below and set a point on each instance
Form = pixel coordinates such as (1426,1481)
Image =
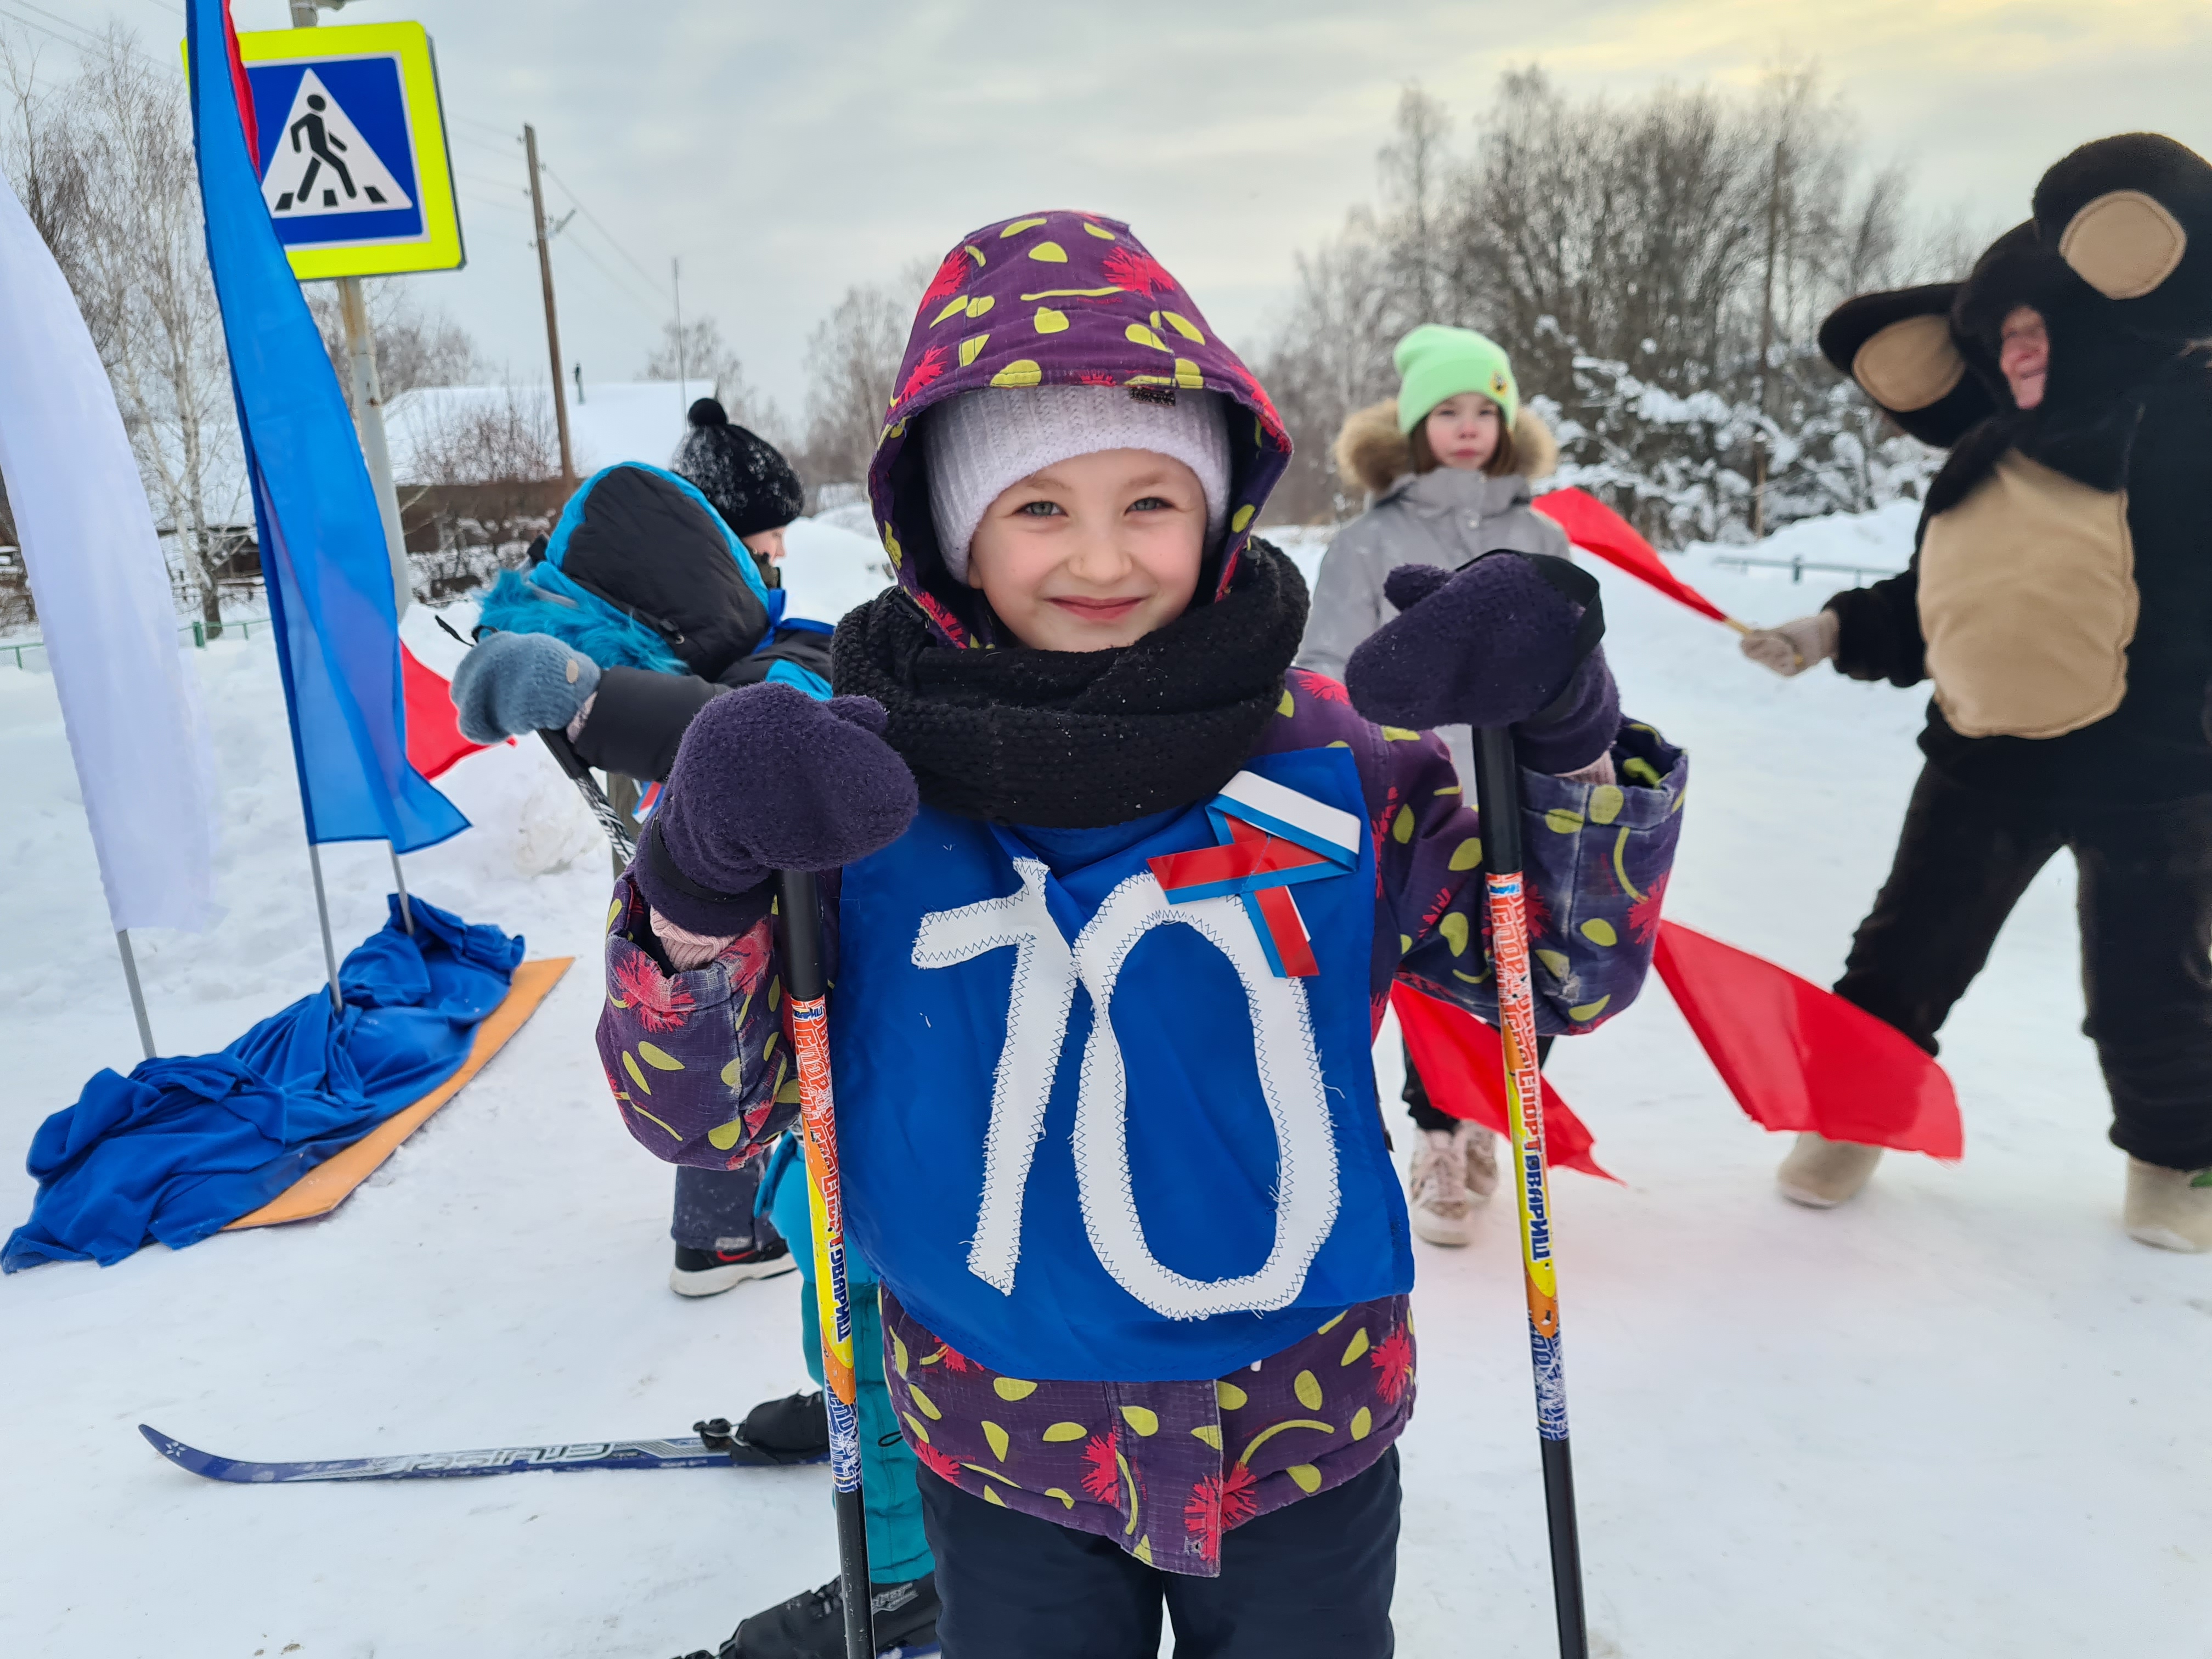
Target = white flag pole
(137,996)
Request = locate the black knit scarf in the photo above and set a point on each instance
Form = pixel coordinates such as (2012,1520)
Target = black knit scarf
(1081,739)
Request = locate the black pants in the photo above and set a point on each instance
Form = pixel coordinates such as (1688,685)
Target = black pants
(1415,1094)
(2146,908)
(1311,1581)
(713,1208)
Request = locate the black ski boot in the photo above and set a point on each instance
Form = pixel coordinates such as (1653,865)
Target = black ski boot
(793,1430)
(812,1625)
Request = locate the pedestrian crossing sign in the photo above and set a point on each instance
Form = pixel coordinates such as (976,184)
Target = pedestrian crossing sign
(352,159)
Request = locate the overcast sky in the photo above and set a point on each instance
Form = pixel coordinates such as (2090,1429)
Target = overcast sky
(786,150)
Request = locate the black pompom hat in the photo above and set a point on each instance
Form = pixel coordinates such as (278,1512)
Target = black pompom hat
(744,475)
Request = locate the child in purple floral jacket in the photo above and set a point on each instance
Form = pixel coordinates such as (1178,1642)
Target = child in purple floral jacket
(1118,899)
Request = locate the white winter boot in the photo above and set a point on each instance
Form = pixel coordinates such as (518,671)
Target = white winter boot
(1482,1160)
(2170,1209)
(1443,1208)
(1821,1173)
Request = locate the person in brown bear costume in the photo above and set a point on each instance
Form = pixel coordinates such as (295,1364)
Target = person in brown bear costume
(2060,600)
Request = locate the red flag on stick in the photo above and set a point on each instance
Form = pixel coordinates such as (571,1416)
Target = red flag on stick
(435,742)
(1463,1063)
(1596,528)
(1797,1057)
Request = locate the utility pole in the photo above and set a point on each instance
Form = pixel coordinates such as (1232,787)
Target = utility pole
(552,322)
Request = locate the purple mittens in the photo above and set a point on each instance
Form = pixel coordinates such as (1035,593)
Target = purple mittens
(1488,646)
(769,779)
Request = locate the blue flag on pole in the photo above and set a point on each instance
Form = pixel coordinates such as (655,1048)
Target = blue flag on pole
(323,552)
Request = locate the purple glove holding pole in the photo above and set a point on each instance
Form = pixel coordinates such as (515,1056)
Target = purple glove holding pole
(1493,645)
(769,779)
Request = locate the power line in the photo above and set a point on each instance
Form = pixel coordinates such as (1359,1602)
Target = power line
(496,207)
(484,144)
(612,240)
(644,310)
(84,52)
(98,40)
(90,34)
(491,183)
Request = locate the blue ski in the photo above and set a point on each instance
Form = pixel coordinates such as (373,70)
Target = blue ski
(684,1452)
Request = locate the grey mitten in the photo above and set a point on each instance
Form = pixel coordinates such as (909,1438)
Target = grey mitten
(512,684)
(1796,646)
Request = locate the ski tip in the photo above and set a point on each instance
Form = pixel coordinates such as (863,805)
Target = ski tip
(185,1457)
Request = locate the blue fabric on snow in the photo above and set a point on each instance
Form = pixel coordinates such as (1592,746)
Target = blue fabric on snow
(184,1146)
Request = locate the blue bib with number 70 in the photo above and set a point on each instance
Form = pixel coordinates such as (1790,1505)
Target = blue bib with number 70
(1116,1120)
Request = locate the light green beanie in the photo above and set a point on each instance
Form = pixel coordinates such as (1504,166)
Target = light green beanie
(1435,362)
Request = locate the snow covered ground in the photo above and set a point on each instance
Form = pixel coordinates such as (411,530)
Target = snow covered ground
(1963,1415)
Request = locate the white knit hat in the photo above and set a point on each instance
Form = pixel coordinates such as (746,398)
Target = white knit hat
(981,445)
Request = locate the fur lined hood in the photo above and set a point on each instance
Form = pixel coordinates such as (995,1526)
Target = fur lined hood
(1372,454)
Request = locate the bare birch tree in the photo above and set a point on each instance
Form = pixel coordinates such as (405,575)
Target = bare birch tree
(851,360)
(700,353)
(143,285)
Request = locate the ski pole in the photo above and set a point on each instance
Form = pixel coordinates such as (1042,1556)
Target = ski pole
(805,999)
(1498,797)
(595,798)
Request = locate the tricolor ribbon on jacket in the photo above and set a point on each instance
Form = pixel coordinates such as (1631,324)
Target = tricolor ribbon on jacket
(1271,838)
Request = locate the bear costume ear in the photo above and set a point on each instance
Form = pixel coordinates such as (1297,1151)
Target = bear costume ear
(2132,216)
(1899,348)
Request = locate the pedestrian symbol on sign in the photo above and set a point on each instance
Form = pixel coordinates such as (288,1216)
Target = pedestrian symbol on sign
(322,164)
(352,154)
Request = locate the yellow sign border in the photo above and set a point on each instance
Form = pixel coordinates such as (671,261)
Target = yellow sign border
(441,247)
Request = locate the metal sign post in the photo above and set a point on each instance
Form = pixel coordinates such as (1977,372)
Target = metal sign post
(368,418)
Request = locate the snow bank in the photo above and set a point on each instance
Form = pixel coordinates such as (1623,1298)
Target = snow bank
(1838,550)
(830,567)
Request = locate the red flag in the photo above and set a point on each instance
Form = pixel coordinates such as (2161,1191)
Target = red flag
(434,731)
(1797,1057)
(1462,1064)
(242,87)
(1596,528)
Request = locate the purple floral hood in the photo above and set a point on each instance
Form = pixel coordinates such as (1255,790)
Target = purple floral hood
(1057,299)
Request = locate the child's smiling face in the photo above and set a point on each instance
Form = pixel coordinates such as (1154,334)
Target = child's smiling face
(1093,552)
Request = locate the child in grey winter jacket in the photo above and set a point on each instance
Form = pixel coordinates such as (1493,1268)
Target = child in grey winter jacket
(1447,465)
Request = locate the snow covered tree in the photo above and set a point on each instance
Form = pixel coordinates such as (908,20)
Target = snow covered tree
(1656,267)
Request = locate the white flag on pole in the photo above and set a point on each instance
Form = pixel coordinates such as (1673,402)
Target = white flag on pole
(131,708)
